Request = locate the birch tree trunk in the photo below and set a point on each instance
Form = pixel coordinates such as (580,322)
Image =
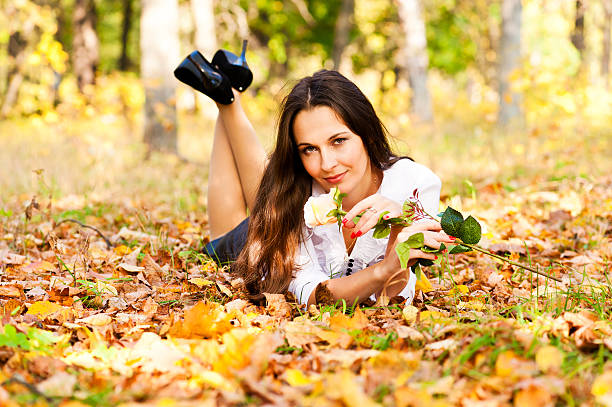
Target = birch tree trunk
(342,31)
(159,48)
(414,57)
(605,55)
(203,12)
(204,20)
(85,44)
(509,61)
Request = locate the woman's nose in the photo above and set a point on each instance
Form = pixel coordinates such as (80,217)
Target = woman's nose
(328,160)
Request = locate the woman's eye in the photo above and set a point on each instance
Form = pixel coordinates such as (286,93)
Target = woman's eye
(308,150)
(339,140)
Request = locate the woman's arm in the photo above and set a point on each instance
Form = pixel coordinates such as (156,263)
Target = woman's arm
(388,272)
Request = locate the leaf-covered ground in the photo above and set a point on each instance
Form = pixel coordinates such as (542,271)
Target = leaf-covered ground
(144,318)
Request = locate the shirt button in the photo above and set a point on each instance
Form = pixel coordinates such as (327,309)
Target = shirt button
(349,270)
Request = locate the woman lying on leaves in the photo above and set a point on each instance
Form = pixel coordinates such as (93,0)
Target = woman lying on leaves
(328,136)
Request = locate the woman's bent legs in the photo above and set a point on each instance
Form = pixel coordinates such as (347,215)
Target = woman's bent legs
(236,167)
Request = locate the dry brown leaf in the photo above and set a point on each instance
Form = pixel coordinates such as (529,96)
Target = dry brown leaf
(277,305)
(10,291)
(95,320)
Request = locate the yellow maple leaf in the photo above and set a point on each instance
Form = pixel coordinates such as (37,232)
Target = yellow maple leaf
(200,282)
(460,289)
(410,313)
(236,350)
(549,358)
(297,378)
(431,316)
(122,250)
(423,284)
(43,309)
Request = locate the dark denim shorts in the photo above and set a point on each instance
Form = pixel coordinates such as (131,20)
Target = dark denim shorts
(225,249)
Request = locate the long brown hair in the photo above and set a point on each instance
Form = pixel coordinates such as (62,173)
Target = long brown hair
(276,222)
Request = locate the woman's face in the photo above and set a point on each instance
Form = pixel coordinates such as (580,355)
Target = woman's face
(331,153)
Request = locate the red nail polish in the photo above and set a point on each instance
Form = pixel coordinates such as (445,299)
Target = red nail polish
(352,235)
(358,233)
(452,237)
(386,217)
(344,221)
(436,257)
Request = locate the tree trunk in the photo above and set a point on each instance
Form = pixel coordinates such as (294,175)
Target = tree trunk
(205,37)
(17,55)
(509,61)
(85,44)
(342,31)
(605,55)
(124,60)
(414,57)
(159,45)
(204,21)
(578,33)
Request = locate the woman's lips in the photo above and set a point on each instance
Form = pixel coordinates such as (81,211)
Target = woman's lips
(336,178)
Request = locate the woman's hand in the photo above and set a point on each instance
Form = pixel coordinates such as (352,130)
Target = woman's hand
(374,206)
(433,237)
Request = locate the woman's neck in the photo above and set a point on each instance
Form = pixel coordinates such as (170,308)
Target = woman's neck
(366,188)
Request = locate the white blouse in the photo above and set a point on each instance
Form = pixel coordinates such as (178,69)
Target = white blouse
(322,255)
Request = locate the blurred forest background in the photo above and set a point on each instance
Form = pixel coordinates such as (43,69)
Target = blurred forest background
(486,92)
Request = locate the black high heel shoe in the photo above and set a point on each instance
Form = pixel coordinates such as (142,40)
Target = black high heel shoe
(235,67)
(198,73)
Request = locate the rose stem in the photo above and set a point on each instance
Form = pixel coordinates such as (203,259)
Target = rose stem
(474,247)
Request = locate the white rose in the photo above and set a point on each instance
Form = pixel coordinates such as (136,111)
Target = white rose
(317,208)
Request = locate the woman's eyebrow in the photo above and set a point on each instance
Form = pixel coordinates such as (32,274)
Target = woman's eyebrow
(336,135)
(329,139)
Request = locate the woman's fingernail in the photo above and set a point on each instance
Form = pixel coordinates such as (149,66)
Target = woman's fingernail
(452,237)
(386,217)
(344,221)
(358,233)
(352,235)
(436,257)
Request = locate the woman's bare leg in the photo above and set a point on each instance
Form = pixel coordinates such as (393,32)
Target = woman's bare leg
(226,203)
(248,152)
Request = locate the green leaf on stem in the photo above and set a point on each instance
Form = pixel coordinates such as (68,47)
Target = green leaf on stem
(459,249)
(415,241)
(417,270)
(381,230)
(451,221)
(470,231)
(428,249)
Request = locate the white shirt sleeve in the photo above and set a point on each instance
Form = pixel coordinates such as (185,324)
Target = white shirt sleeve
(405,177)
(429,191)
(308,274)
